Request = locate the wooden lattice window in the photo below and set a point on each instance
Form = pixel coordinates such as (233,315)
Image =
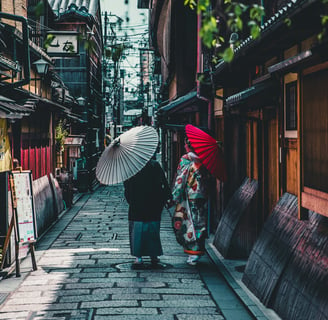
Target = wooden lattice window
(314,155)
(291,99)
(291,106)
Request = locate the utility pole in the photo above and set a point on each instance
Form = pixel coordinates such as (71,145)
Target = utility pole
(110,43)
(105,29)
(141,88)
(146,82)
(116,98)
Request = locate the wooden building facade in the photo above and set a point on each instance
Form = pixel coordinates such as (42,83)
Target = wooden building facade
(268,107)
(275,128)
(27,101)
(34,102)
(76,48)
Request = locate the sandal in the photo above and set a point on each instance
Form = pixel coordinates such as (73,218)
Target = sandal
(138,261)
(192,260)
(154,260)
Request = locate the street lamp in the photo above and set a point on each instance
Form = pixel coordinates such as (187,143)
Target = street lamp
(81,101)
(41,66)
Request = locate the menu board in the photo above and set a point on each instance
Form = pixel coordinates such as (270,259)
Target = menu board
(26,222)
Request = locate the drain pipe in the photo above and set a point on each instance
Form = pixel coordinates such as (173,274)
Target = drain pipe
(26,59)
(200,70)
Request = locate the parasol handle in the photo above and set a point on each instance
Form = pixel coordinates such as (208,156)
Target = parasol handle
(116,142)
(219,143)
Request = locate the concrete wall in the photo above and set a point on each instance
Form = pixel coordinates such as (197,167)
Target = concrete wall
(48,202)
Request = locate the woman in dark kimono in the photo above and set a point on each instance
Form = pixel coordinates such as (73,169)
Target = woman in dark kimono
(146,193)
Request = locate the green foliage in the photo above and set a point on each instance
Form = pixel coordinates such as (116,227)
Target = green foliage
(324,20)
(256,13)
(39,9)
(60,135)
(236,13)
(115,52)
(208,31)
(255,31)
(288,22)
(108,53)
(48,40)
(190,3)
(202,6)
(228,55)
(89,45)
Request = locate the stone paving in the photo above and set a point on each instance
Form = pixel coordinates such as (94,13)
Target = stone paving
(84,272)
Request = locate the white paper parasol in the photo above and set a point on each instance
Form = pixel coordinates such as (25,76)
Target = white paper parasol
(127,155)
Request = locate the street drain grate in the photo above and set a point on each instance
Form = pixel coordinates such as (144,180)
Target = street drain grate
(3,297)
(78,237)
(144,266)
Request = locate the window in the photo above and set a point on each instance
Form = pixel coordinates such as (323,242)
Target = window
(291,98)
(291,106)
(315,131)
(252,150)
(314,154)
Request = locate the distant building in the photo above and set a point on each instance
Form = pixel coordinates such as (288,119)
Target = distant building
(131,118)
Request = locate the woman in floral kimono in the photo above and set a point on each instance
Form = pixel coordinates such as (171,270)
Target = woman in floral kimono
(191,196)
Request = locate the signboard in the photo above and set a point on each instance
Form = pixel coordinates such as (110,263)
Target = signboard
(218,103)
(74,152)
(64,43)
(5,157)
(26,221)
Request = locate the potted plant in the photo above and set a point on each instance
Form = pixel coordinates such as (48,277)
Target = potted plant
(60,134)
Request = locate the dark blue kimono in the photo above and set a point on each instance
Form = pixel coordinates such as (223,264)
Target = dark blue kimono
(146,193)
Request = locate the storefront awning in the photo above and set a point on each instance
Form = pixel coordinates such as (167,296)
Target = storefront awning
(290,62)
(76,117)
(9,109)
(64,110)
(180,104)
(242,96)
(74,141)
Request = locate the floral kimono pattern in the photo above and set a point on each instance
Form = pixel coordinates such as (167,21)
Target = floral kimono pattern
(189,192)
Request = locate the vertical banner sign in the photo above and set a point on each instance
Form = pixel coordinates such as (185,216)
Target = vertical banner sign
(26,221)
(5,157)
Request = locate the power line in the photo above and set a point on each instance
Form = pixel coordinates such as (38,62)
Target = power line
(131,35)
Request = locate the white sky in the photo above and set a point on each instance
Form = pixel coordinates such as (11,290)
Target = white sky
(134,32)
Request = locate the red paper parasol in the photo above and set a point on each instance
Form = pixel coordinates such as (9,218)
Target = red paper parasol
(208,151)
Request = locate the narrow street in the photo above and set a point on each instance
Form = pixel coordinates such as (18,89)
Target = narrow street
(84,272)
